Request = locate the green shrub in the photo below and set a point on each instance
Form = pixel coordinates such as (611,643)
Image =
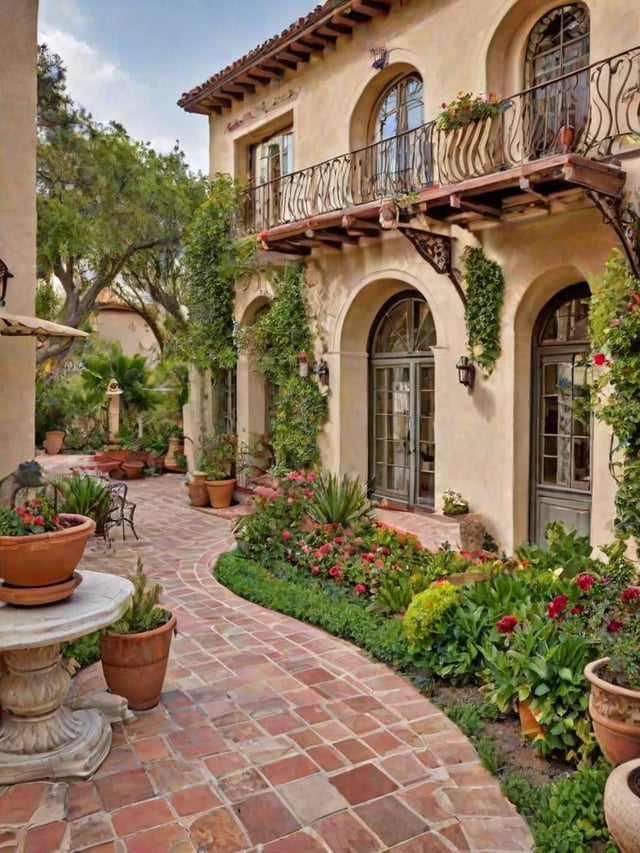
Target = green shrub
(84,495)
(337,501)
(427,611)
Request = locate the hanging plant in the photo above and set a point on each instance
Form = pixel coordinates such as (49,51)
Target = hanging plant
(277,337)
(214,261)
(485,295)
(614,330)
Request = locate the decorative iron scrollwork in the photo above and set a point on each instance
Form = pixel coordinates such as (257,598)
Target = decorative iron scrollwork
(625,221)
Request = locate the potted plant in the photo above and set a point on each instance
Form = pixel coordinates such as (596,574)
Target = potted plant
(135,650)
(83,494)
(467,108)
(40,547)
(217,457)
(453,503)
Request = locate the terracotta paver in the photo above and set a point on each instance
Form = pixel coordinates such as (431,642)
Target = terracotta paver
(270,736)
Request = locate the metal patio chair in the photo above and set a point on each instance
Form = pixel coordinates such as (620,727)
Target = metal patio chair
(121,510)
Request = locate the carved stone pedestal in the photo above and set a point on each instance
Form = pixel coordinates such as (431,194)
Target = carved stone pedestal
(40,737)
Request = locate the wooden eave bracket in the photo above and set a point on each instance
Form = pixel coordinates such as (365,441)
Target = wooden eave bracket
(436,250)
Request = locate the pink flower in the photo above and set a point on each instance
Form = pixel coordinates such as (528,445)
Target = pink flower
(585,581)
(557,606)
(368,557)
(599,358)
(631,593)
(286,535)
(359,588)
(311,477)
(335,572)
(507,624)
(614,626)
(315,570)
(338,540)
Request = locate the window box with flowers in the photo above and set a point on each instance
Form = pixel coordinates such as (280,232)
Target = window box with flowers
(472,140)
(453,503)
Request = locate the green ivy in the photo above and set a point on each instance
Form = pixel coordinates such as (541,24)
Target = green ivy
(614,329)
(278,336)
(214,261)
(485,295)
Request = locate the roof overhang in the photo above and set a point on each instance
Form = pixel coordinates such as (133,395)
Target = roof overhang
(19,325)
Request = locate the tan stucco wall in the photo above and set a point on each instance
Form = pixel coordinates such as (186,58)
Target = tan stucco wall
(483,439)
(18,44)
(129,330)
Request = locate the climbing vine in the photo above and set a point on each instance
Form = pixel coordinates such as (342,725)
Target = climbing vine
(277,337)
(485,295)
(214,260)
(614,329)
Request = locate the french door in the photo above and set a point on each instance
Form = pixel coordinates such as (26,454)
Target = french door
(403,438)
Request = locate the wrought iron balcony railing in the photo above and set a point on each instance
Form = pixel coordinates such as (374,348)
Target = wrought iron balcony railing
(588,111)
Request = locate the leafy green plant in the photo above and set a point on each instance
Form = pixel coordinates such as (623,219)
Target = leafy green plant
(453,503)
(467,108)
(84,650)
(216,455)
(34,516)
(427,611)
(84,495)
(566,552)
(143,613)
(336,501)
(485,295)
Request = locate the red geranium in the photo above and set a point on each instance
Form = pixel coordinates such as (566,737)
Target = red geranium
(507,624)
(557,606)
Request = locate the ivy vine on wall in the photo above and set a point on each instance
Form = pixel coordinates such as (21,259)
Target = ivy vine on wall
(277,337)
(485,295)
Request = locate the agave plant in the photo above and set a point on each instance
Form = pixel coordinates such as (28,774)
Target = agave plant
(84,495)
(343,502)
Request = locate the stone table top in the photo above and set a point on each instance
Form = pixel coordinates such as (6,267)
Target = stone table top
(99,600)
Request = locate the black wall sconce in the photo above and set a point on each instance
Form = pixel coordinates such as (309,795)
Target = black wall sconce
(380,58)
(5,275)
(321,370)
(466,371)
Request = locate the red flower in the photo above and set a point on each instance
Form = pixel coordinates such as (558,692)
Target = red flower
(286,535)
(507,624)
(39,520)
(576,610)
(338,540)
(585,581)
(359,588)
(599,358)
(315,570)
(335,572)
(557,606)
(368,558)
(614,626)
(631,593)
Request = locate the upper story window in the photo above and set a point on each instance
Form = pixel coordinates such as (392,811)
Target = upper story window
(400,109)
(556,61)
(272,158)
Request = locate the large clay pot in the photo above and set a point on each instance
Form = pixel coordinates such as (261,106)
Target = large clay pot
(41,559)
(53,441)
(220,492)
(197,488)
(615,715)
(622,805)
(133,469)
(134,665)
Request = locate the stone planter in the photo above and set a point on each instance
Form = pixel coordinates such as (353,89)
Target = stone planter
(615,715)
(176,446)
(197,488)
(622,805)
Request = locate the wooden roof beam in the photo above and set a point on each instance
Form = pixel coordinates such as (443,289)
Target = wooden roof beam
(296,54)
(273,72)
(344,29)
(370,7)
(287,63)
(329,38)
(311,44)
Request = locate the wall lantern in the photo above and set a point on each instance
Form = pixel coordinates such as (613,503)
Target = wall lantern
(380,58)
(5,275)
(321,370)
(303,364)
(466,371)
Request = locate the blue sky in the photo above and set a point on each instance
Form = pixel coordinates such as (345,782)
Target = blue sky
(130,60)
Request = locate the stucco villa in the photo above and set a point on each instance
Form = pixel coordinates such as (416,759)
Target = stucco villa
(333,128)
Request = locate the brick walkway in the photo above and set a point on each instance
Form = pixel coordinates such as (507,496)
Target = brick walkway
(271,735)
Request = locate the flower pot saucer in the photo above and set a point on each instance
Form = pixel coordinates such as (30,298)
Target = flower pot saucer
(32,596)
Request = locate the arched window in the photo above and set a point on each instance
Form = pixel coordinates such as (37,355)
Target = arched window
(398,111)
(557,53)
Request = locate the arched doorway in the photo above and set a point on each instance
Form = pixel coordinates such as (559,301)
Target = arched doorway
(402,401)
(561,430)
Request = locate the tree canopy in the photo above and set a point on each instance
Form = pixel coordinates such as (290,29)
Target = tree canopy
(108,206)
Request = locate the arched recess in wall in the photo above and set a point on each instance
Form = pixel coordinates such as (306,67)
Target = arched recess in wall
(391,106)
(541,297)
(256,392)
(542,48)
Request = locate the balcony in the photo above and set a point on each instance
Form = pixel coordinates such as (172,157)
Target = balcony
(551,148)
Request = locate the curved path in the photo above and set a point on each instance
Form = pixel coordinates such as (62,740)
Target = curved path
(271,735)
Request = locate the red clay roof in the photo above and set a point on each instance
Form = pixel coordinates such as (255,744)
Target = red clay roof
(324,25)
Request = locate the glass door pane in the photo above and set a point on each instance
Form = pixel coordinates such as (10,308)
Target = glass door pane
(426,455)
(391,430)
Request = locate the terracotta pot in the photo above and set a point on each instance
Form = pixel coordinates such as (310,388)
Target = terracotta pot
(53,441)
(155,460)
(45,558)
(133,470)
(134,665)
(615,715)
(529,724)
(197,488)
(116,453)
(622,805)
(176,445)
(137,456)
(220,492)
(105,464)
